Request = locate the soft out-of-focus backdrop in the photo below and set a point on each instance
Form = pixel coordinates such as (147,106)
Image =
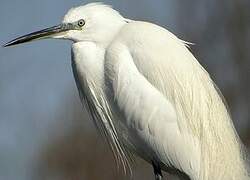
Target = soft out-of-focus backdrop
(45,134)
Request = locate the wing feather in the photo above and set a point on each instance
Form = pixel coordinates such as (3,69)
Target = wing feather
(149,114)
(159,84)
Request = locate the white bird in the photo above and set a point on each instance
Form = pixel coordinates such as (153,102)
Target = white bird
(149,95)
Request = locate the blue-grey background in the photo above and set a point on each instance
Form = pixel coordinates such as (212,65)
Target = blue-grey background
(45,134)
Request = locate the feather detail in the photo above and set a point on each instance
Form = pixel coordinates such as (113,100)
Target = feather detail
(97,104)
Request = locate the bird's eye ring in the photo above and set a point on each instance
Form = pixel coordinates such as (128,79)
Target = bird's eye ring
(81,22)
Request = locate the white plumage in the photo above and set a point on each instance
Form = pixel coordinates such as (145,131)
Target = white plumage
(149,95)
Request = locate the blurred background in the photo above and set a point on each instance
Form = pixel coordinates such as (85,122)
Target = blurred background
(44,132)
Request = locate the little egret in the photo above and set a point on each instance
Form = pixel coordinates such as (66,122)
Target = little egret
(148,95)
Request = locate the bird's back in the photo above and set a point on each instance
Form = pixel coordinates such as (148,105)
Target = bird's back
(207,132)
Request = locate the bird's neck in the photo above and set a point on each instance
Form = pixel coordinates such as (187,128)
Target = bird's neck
(88,58)
(104,36)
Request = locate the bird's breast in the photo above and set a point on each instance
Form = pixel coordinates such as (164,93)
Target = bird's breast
(89,61)
(94,85)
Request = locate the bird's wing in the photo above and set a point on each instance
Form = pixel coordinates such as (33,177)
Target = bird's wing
(149,112)
(170,102)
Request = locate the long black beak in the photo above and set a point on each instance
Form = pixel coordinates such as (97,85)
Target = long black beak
(42,34)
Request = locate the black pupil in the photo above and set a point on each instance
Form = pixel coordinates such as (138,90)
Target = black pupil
(81,23)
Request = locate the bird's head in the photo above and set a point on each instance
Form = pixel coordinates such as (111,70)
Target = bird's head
(93,22)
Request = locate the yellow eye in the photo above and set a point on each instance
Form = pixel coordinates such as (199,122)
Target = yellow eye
(81,22)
